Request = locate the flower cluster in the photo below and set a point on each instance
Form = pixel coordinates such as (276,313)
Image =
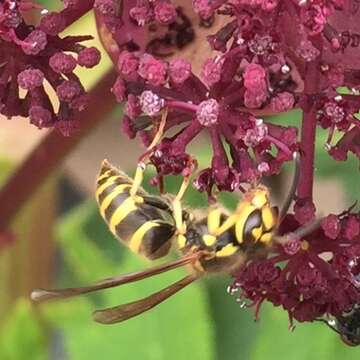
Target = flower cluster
(268,57)
(311,276)
(262,52)
(33,59)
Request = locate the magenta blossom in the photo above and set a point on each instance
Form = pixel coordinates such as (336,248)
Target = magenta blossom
(30,56)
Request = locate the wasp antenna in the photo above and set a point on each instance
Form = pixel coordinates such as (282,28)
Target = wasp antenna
(44,294)
(41,295)
(307,228)
(300,232)
(106,165)
(291,195)
(124,312)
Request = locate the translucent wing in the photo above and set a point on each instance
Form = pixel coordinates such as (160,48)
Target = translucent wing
(124,312)
(42,294)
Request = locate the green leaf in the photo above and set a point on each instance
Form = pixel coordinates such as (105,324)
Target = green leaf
(179,328)
(21,335)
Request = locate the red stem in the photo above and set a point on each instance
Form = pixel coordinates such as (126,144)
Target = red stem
(46,157)
(308,133)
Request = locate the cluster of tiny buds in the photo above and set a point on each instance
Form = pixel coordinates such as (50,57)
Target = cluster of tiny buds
(33,56)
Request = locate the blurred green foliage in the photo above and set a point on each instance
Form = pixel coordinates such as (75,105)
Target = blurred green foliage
(201,322)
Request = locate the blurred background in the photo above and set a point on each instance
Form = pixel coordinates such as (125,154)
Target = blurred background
(61,241)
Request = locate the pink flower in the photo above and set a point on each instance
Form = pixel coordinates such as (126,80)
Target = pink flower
(152,70)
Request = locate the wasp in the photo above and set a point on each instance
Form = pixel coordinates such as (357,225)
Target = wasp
(347,326)
(219,242)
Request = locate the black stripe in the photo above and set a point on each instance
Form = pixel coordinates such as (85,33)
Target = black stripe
(253,221)
(137,218)
(115,204)
(156,242)
(108,190)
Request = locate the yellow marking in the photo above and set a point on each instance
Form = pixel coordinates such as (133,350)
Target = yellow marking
(240,224)
(268,218)
(110,197)
(177,208)
(121,212)
(111,180)
(138,178)
(266,238)
(213,220)
(181,241)
(260,199)
(209,240)
(256,233)
(136,239)
(227,224)
(227,250)
(304,245)
(104,175)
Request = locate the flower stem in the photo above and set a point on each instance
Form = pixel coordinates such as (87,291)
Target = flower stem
(181,105)
(80,8)
(45,158)
(308,133)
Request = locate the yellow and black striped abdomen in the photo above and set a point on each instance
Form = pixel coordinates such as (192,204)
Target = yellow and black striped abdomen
(143,222)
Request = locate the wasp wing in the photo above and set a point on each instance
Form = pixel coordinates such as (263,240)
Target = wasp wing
(43,294)
(124,312)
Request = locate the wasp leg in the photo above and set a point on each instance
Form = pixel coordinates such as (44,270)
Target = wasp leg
(139,174)
(291,195)
(160,130)
(177,208)
(299,233)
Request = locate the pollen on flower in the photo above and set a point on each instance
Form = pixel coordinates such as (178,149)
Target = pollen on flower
(151,104)
(62,63)
(35,42)
(263,167)
(179,70)
(211,71)
(68,90)
(207,113)
(256,133)
(203,8)
(127,63)
(89,57)
(334,111)
(307,51)
(40,117)
(30,79)
(152,70)
(165,12)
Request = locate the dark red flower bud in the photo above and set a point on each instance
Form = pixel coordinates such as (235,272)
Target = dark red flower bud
(62,63)
(89,57)
(30,79)
(68,90)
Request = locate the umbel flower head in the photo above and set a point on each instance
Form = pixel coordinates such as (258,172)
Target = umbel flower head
(261,53)
(309,277)
(268,57)
(33,57)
